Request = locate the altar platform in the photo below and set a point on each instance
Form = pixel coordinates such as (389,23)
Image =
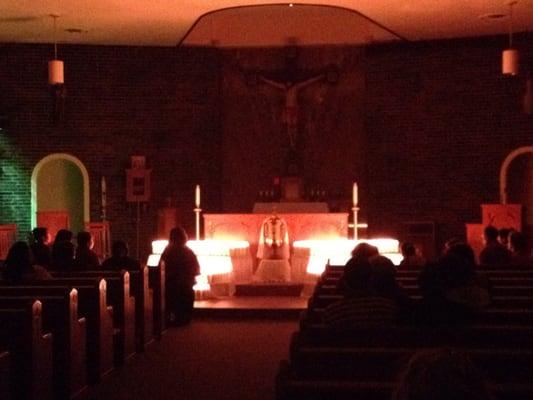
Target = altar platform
(251,307)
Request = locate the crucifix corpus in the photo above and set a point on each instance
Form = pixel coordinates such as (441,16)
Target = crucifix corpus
(289,114)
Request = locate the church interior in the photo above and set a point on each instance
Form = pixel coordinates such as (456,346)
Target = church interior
(272,143)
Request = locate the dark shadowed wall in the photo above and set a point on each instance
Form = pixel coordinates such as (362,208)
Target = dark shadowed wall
(423,127)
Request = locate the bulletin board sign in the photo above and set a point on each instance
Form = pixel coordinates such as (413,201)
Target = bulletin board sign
(138,187)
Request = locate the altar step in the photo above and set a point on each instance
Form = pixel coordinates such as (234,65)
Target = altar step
(272,307)
(269,289)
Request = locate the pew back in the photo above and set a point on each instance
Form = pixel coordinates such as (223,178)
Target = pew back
(30,349)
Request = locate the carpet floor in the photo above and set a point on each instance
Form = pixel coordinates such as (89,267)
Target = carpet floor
(209,359)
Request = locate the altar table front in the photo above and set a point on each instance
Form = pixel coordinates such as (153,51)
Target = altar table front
(301,226)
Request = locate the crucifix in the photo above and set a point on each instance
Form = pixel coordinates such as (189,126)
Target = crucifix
(289,114)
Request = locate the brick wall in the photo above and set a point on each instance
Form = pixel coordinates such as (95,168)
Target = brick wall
(121,101)
(423,127)
(441,119)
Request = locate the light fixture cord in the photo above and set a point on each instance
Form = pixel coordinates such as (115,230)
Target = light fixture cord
(55,37)
(511,4)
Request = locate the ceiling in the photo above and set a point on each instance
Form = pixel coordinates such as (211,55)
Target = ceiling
(168,22)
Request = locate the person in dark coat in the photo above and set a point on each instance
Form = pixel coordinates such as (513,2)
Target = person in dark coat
(119,259)
(63,257)
(86,258)
(181,269)
(441,374)
(494,254)
(19,266)
(520,251)
(63,251)
(451,291)
(40,246)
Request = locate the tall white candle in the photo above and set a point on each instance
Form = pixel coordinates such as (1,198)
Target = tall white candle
(197,196)
(355,194)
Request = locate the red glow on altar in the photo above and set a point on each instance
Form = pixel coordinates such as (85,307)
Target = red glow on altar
(214,256)
(158,246)
(338,251)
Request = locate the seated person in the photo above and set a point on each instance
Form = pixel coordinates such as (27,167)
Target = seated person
(62,236)
(371,297)
(361,253)
(441,374)
(119,259)
(19,265)
(494,254)
(63,256)
(451,292)
(462,250)
(451,242)
(86,258)
(411,258)
(40,246)
(503,236)
(520,251)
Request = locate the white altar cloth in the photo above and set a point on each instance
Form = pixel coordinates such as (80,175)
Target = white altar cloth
(273,271)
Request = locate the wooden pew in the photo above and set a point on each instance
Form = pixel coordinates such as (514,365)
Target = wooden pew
(374,363)
(157,284)
(93,306)
(60,316)
(361,362)
(329,364)
(501,316)
(503,271)
(123,303)
(481,336)
(5,365)
(139,288)
(30,349)
(414,289)
(289,387)
(322,301)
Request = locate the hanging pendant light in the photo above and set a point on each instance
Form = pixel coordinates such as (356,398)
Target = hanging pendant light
(56,74)
(510,56)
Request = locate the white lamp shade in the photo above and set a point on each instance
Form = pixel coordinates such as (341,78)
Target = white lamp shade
(510,58)
(55,72)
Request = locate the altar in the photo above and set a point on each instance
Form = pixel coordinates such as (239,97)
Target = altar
(300,226)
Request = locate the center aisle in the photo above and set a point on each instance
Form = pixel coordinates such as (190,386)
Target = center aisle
(213,359)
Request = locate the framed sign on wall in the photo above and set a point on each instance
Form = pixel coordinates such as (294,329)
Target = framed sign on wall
(138,185)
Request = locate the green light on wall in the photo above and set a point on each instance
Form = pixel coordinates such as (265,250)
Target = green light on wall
(14,186)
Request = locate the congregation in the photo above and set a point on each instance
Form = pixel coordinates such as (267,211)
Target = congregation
(350,305)
(442,329)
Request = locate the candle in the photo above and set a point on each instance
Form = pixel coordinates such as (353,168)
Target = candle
(197,196)
(355,194)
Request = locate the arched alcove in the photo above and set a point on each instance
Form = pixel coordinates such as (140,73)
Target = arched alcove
(516,182)
(60,182)
(504,171)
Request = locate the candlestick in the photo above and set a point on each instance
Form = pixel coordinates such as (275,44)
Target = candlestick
(197,211)
(197,196)
(103,188)
(355,199)
(355,222)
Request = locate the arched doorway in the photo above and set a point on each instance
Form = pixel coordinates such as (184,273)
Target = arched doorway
(516,182)
(60,186)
